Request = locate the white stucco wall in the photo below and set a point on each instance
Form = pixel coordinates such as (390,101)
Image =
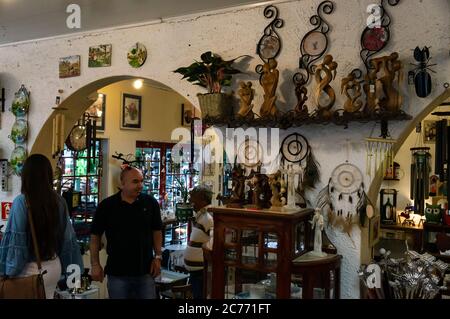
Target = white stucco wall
(180,41)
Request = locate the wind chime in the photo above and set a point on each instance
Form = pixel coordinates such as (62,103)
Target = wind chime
(420,172)
(379,153)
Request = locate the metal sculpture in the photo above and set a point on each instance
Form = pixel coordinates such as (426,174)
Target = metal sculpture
(422,79)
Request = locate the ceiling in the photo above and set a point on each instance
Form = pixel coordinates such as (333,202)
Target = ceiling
(22,20)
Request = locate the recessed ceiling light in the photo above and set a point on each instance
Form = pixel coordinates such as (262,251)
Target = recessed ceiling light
(137,84)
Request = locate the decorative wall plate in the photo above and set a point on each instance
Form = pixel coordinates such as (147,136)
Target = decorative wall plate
(314,43)
(21,102)
(346,178)
(250,153)
(294,148)
(19,131)
(268,47)
(18,157)
(137,55)
(375,39)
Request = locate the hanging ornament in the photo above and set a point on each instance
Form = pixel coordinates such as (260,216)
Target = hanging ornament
(345,197)
(380,153)
(420,177)
(295,150)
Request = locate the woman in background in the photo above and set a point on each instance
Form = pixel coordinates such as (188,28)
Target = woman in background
(56,239)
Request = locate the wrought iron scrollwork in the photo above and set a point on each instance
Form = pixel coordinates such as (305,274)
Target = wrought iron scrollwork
(375,37)
(314,44)
(269,46)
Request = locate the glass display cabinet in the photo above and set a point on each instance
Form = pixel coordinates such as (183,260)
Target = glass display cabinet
(254,249)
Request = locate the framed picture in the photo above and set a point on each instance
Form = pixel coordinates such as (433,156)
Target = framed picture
(69,66)
(429,132)
(100,56)
(98,110)
(131,111)
(374,230)
(187,113)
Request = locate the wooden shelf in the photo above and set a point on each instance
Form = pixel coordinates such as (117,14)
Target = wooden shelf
(436,227)
(291,119)
(391,179)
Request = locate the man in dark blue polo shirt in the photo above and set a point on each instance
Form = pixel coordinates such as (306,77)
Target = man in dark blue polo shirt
(132,224)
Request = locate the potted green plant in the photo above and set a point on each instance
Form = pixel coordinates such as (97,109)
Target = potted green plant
(213,73)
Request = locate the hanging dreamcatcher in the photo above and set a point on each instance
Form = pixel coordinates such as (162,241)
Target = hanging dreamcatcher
(345,197)
(297,155)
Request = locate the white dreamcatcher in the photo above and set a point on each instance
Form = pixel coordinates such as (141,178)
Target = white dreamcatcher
(345,197)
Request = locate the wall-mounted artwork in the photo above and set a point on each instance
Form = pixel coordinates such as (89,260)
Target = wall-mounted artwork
(131,111)
(137,55)
(100,55)
(98,111)
(429,131)
(69,66)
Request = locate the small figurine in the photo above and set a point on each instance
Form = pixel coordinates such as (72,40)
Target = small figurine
(352,90)
(301,110)
(269,82)
(275,186)
(328,67)
(247,94)
(317,224)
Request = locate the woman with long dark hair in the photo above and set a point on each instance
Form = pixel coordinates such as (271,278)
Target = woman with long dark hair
(56,238)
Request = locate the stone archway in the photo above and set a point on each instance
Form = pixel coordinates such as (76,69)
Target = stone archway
(376,182)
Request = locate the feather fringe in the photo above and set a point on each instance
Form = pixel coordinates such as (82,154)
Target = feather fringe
(323,199)
(312,172)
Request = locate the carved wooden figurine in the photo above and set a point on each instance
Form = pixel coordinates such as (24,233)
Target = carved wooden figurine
(328,70)
(247,94)
(269,82)
(352,90)
(275,186)
(390,99)
(301,110)
(238,187)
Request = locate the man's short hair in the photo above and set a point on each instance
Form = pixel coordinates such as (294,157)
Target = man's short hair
(125,170)
(203,192)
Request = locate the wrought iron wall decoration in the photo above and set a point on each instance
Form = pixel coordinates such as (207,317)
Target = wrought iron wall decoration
(314,44)
(376,35)
(269,45)
(422,79)
(3,99)
(312,47)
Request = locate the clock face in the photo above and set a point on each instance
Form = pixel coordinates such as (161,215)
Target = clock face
(77,138)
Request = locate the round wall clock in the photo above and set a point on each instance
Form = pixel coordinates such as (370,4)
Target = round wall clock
(77,138)
(315,43)
(346,178)
(294,148)
(137,55)
(250,153)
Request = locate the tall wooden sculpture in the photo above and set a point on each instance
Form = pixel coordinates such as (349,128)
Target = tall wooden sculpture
(324,74)
(269,82)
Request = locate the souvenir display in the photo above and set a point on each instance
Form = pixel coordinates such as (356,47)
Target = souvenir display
(18,157)
(19,131)
(418,276)
(246,94)
(345,197)
(21,102)
(422,79)
(296,151)
(380,153)
(351,88)
(388,206)
(433,213)
(324,74)
(375,37)
(420,172)
(269,46)
(137,55)
(314,44)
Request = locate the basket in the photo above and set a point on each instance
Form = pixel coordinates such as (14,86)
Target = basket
(215,105)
